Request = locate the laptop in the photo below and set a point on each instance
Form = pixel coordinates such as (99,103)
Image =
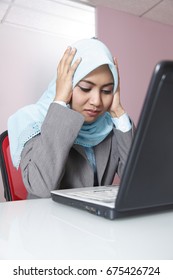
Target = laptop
(147,181)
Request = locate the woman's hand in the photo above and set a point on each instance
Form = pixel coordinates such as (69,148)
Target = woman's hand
(65,72)
(116,109)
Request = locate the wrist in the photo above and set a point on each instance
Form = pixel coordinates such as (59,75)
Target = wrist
(117,113)
(61,99)
(60,103)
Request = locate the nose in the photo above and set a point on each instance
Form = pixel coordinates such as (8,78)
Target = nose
(95,98)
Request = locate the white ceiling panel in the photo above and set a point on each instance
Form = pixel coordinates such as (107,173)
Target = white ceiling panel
(62,18)
(3,9)
(6,1)
(56,8)
(46,22)
(162,12)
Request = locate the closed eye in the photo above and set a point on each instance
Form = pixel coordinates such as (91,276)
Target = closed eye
(107,91)
(84,89)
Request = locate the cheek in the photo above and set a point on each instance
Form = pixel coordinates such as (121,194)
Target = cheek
(77,99)
(107,100)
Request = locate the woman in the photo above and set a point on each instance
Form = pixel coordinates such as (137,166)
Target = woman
(78,133)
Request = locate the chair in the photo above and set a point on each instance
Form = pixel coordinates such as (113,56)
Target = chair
(14,188)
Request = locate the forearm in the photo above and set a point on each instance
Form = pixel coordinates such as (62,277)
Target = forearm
(44,157)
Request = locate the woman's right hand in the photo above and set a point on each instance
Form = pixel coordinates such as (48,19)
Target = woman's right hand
(65,72)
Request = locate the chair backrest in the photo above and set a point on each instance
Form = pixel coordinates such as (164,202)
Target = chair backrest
(14,188)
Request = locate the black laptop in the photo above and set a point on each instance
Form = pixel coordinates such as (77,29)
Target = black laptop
(147,181)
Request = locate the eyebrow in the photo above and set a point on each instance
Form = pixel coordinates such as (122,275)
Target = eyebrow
(89,82)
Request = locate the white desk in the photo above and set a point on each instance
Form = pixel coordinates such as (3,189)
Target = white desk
(43,229)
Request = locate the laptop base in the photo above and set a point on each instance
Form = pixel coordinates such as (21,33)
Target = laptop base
(106,212)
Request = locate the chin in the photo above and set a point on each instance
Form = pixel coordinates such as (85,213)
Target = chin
(91,120)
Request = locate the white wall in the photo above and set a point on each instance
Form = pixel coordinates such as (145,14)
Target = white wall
(28,61)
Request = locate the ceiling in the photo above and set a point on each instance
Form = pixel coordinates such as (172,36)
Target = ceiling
(54,16)
(50,16)
(156,10)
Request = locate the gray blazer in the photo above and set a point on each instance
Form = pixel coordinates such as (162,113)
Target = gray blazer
(51,160)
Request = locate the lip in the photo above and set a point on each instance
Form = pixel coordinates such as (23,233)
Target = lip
(92,113)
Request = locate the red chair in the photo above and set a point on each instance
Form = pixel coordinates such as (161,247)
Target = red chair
(14,188)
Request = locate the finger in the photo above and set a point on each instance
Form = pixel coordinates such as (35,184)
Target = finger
(64,59)
(116,64)
(74,66)
(68,62)
(115,61)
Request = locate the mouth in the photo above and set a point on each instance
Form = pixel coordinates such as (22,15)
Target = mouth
(92,113)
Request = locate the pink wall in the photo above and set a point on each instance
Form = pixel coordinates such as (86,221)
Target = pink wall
(138,44)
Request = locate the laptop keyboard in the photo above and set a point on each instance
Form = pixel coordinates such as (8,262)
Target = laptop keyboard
(105,194)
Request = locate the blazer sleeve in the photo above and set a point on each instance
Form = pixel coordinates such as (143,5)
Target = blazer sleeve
(124,141)
(44,157)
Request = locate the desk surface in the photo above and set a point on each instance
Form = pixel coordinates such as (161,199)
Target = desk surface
(43,229)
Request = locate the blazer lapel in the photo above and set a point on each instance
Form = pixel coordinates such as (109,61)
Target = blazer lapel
(80,150)
(102,152)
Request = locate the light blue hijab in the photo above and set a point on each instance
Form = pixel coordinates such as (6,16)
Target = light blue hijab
(26,122)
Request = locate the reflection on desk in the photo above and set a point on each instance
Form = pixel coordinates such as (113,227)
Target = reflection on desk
(43,229)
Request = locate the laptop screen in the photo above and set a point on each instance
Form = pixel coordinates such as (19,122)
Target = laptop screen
(148,176)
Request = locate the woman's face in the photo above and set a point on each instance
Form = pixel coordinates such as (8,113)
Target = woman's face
(93,95)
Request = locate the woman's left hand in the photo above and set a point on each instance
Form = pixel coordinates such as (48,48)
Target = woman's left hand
(116,109)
